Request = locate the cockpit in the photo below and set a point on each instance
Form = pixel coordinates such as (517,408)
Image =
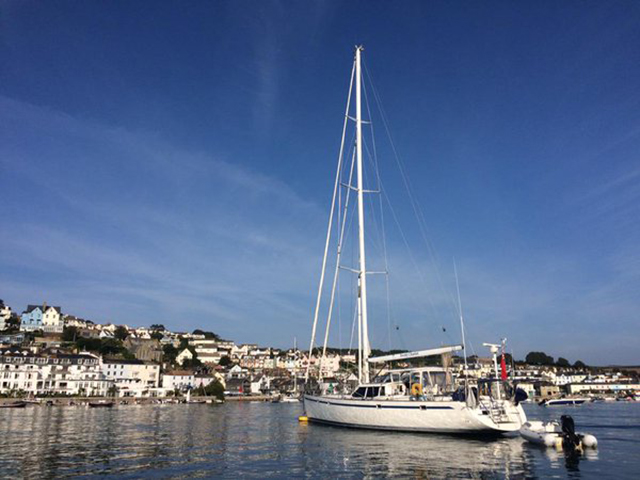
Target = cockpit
(416,382)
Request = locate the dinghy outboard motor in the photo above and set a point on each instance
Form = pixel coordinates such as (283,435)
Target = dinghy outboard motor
(570,441)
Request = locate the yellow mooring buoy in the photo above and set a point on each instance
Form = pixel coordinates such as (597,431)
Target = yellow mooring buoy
(303,419)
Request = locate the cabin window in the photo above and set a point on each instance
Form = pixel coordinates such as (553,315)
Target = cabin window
(360,392)
(372,392)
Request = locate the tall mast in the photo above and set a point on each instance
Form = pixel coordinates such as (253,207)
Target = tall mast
(464,345)
(362,277)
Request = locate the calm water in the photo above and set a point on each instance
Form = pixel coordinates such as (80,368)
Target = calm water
(264,440)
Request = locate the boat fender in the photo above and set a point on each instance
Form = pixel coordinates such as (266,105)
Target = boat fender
(416,389)
(589,441)
(550,440)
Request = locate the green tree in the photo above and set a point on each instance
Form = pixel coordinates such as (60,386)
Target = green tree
(157,327)
(563,362)
(107,346)
(112,391)
(121,333)
(69,334)
(157,335)
(12,324)
(208,335)
(538,358)
(192,363)
(214,389)
(170,353)
(225,361)
(579,364)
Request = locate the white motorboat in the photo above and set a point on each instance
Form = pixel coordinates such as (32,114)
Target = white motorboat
(290,400)
(555,402)
(409,399)
(557,434)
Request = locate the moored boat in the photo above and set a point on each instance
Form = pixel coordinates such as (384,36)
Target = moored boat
(554,402)
(101,404)
(17,404)
(557,434)
(415,399)
(291,399)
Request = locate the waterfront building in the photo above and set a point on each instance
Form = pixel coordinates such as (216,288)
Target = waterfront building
(548,390)
(55,373)
(237,386)
(260,384)
(237,372)
(204,380)
(178,380)
(562,379)
(45,318)
(132,378)
(602,388)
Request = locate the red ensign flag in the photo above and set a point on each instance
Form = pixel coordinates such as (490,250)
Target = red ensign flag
(503,366)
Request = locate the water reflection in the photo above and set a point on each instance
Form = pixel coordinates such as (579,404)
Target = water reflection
(384,454)
(263,440)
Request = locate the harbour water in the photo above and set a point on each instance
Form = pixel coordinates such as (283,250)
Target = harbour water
(265,440)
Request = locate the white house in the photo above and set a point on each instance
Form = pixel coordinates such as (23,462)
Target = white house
(184,355)
(45,318)
(204,380)
(73,321)
(210,350)
(260,384)
(601,387)
(237,372)
(178,380)
(240,351)
(53,374)
(133,378)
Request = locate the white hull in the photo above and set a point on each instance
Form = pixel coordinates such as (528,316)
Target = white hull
(565,401)
(412,416)
(550,434)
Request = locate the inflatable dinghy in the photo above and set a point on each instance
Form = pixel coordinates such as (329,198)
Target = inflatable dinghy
(557,434)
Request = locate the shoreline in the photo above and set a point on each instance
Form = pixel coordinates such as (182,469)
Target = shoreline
(84,401)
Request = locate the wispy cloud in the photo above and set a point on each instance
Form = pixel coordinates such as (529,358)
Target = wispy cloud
(167,234)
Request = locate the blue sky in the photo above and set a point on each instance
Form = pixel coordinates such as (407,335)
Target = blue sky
(172,162)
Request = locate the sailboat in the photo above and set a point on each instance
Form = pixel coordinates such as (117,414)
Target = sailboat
(416,399)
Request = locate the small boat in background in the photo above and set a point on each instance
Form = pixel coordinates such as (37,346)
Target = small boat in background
(290,399)
(561,435)
(13,405)
(553,402)
(101,404)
